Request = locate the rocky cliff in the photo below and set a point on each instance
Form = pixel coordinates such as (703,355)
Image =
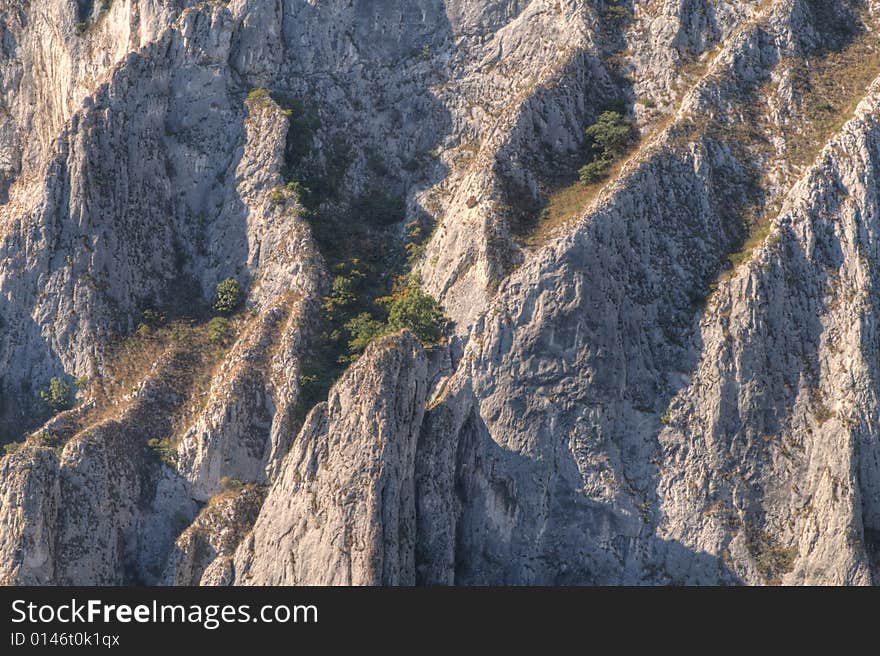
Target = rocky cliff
(665,372)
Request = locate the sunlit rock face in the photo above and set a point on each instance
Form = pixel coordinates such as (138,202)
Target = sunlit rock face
(666,375)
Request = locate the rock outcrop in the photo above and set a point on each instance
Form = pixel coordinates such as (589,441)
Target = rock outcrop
(30,509)
(203,554)
(343,510)
(667,376)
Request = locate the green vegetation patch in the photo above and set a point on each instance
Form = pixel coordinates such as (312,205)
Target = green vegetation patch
(12,447)
(371,293)
(58,396)
(228,297)
(774,562)
(610,138)
(613,134)
(164,450)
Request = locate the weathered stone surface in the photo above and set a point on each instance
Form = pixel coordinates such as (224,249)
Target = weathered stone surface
(615,403)
(203,554)
(342,511)
(29,498)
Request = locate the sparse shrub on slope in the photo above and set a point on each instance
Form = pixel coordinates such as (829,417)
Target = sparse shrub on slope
(611,137)
(153,317)
(612,134)
(258,94)
(616,14)
(164,450)
(409,308)
(418,312)
(12,447)
(228,297)
(220,331)
(363,330)
(57,396)
(595,171)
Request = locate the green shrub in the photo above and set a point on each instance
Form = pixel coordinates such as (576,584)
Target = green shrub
(820,107)
(417,311)
(414,252)
(342,294)
(277,197)
(57,397)
(220,330)
(258,94)
(595,171)
(411,309)
(228,297)
(415,243)
(152,317)
(413,231)
(12,447)
(230,484)
(774,562)
(363,330)
(163,448)
(49,439)
(616,13)
(612,134)
(297,189)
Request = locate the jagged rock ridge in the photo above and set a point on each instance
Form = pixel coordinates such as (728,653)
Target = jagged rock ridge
(675,384)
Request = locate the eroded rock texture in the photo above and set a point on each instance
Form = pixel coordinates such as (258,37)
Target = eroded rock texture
(669,376)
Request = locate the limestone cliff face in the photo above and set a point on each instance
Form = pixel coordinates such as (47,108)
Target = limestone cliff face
(787,406)
(30,509)
(667,377)
(203,553)
(343,509)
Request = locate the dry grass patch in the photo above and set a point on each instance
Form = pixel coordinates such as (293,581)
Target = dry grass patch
(182,354)
(566,204)
(831,87)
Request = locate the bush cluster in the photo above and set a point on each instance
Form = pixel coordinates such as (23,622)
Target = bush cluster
(612,135)
(57,396)
(409,308)
(164,450)
(228,296)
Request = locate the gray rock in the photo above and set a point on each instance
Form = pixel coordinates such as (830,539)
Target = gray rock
(614,403)
(343,511)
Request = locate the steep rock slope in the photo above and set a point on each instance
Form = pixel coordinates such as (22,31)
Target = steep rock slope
(784,397)
(343,509)
(666,378)
(203,554)
(155,193)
